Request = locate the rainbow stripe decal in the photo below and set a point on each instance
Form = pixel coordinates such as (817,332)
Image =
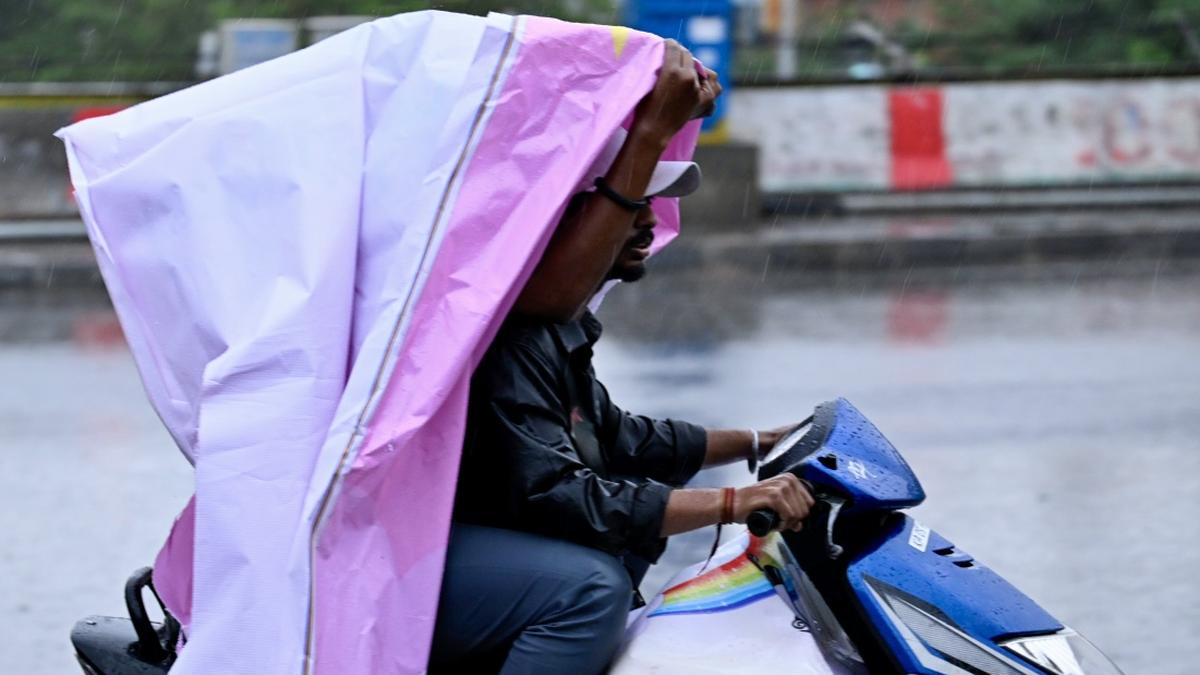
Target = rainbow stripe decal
(734,584)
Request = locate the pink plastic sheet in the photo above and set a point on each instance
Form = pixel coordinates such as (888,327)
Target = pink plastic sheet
(308,257)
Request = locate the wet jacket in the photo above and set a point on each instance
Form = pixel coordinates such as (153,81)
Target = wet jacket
(547,452)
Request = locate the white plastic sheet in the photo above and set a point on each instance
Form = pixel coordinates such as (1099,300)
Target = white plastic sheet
(308,257)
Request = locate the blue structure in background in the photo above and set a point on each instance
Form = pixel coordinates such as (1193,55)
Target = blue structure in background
(705,27)
(247,42)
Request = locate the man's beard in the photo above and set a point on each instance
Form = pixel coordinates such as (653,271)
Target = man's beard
(630,265)
(628,274)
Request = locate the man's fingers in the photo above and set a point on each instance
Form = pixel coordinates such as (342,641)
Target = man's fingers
(792,495)
(792,481)
(807,496)
(787,495)
(800,508)
(672,54)
(799,496)
(793,524)
(783,505)
(712,82)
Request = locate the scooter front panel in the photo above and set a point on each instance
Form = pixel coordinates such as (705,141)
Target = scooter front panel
(938,609)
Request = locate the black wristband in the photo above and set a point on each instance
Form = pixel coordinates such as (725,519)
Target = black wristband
(619,199)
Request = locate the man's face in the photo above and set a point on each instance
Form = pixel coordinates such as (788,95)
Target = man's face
(630,264)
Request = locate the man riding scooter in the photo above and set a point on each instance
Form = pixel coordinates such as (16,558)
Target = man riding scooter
(564,499)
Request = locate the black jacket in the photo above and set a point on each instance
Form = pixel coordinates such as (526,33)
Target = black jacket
(547,452)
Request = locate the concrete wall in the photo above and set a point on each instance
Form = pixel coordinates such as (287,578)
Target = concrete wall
(729,192)
(1057,132)
(33,167)
(811,139)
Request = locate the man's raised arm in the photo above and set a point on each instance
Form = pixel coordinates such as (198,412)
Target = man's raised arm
(585,245)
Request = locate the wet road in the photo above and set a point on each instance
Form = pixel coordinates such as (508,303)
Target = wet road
(1053,420)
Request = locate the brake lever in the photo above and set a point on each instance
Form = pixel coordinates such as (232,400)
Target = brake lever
(835,503)
(832,550)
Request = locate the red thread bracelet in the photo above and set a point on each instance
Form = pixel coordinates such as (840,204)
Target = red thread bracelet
(727,505)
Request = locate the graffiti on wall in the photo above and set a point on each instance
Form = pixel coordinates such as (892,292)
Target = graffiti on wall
(1073,132)
(972,134)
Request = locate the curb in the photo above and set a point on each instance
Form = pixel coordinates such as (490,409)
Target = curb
(59,257)
(889,255)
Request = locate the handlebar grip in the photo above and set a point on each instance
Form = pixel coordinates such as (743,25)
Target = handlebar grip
(762,521)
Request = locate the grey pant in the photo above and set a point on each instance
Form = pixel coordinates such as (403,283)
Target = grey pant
(517,603)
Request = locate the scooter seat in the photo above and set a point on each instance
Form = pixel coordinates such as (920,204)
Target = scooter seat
(107,645)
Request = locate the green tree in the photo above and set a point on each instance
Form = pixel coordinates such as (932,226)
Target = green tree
(138,40)
(1032,34)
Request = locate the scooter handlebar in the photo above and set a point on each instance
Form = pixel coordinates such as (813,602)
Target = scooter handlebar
(762,521)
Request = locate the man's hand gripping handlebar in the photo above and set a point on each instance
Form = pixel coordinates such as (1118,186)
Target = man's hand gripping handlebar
(781,502)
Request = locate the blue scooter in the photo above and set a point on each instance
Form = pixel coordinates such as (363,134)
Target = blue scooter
(867,588)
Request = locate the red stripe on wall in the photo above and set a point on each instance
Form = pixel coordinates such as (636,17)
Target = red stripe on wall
(918,142)
(95,111)
(88,113)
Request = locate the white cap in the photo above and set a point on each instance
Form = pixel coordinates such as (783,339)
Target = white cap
(670,179)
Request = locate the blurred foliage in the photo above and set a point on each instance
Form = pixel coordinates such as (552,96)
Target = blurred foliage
(980,38)
(1036,34)
(138,40)
(134,40)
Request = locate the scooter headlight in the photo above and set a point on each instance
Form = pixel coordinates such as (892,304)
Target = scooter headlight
(932,637)
(1063,653)
(924,628)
